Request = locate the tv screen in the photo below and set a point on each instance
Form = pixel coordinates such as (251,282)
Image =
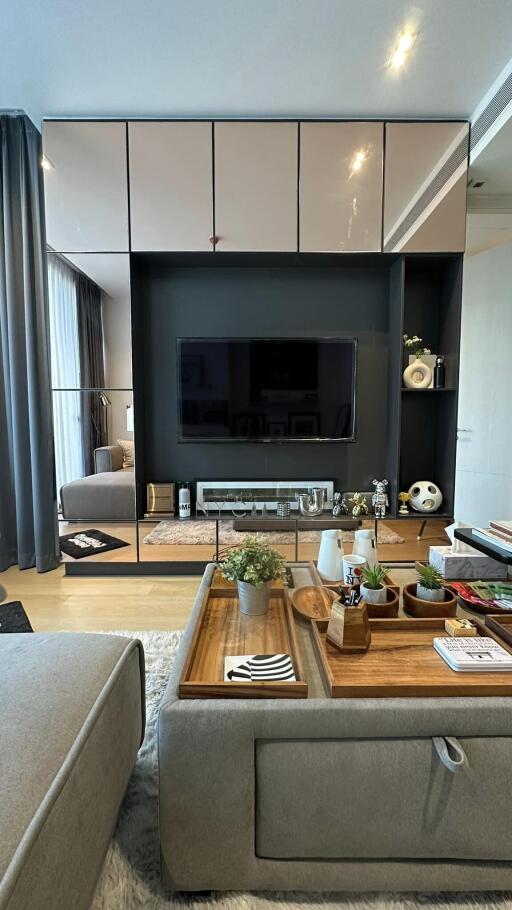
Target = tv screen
(263,389)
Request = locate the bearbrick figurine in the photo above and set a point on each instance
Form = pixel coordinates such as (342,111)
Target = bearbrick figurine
(380,500)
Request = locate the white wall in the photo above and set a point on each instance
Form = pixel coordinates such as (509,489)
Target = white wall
(118,366)
(484,451)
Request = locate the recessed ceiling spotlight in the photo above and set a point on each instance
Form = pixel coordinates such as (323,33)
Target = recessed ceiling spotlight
(46,164)
(403,47)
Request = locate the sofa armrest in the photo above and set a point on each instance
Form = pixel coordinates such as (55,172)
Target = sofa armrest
(108,458)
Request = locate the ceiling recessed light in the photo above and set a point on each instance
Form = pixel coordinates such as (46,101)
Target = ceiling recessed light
(403,47)
(46,164)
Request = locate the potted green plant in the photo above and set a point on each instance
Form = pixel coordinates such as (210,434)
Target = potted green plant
(372,586)
(429,596)
(254,566)
(430,584)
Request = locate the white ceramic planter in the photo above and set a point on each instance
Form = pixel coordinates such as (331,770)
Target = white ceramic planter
(253,601)
(433,594)
(374,595)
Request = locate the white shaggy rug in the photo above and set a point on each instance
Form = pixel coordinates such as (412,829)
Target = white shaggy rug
(130,877)
(181,533)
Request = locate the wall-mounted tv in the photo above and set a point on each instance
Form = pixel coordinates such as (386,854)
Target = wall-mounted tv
(266,389)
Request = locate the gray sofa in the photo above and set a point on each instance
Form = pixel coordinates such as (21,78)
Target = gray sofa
(334,794)
(109,493)
(72,713)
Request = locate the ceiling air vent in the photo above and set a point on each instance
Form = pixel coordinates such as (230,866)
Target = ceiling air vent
(490,114)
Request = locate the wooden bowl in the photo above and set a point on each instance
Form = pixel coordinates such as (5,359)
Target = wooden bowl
(423,609)
(389,610)
(313,601)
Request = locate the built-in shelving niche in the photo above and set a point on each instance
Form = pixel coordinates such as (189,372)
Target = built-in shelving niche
(428,418)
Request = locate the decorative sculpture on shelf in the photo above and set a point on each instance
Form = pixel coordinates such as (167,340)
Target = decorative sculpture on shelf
(404,499)
(425,496)
(337,508)
(359,505)
(311,504)
(380,500)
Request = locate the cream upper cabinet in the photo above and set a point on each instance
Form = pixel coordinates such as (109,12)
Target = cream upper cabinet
(86,186)
(425,187)
(340,197)
(256,186)
(171,185)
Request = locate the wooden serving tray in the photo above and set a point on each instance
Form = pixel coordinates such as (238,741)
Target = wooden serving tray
(401,662)
(501,625)
(222,630)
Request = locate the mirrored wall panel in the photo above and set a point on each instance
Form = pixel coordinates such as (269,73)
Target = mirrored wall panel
(86,185)
(102,542)
(94,455)
(425,187)
(91,368)
(90,323)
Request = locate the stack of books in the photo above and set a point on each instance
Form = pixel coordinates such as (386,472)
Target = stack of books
(474,655)
(499,534)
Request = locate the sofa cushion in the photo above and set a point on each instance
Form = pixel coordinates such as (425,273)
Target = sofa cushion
(72,709)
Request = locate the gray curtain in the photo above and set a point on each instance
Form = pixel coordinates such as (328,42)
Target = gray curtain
(92,368)
(28,513)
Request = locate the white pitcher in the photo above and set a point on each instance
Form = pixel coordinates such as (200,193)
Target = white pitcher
(366,545)
(330,555)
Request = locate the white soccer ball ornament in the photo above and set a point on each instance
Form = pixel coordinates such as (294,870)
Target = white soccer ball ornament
(425,496)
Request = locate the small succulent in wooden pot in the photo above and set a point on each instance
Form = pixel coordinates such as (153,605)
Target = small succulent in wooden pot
(372,585)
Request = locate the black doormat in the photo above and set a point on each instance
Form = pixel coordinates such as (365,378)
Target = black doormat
(13,618)
(89,543)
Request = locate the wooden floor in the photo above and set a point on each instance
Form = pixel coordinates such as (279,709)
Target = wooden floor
(54,602)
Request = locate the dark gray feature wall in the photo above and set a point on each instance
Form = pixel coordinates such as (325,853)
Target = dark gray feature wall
(288,300)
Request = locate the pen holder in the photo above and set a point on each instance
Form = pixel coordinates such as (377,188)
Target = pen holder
(349,629)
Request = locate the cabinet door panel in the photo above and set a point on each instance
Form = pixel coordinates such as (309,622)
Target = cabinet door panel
(171,188)
(256,186)
(86,189)
(340,187)
(425,187)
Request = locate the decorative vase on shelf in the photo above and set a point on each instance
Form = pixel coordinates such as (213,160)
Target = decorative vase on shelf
(420,372)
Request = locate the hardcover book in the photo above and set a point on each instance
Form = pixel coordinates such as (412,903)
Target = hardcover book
(474,655)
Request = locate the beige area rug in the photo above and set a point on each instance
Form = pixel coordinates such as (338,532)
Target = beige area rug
(130,879)
(190,532)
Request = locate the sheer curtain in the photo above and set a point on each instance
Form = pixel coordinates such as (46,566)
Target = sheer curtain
(65,364)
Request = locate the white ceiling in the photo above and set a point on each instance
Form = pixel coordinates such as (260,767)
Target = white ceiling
(246,58)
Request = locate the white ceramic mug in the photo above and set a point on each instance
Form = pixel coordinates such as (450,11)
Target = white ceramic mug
(352,569)
(365,545)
